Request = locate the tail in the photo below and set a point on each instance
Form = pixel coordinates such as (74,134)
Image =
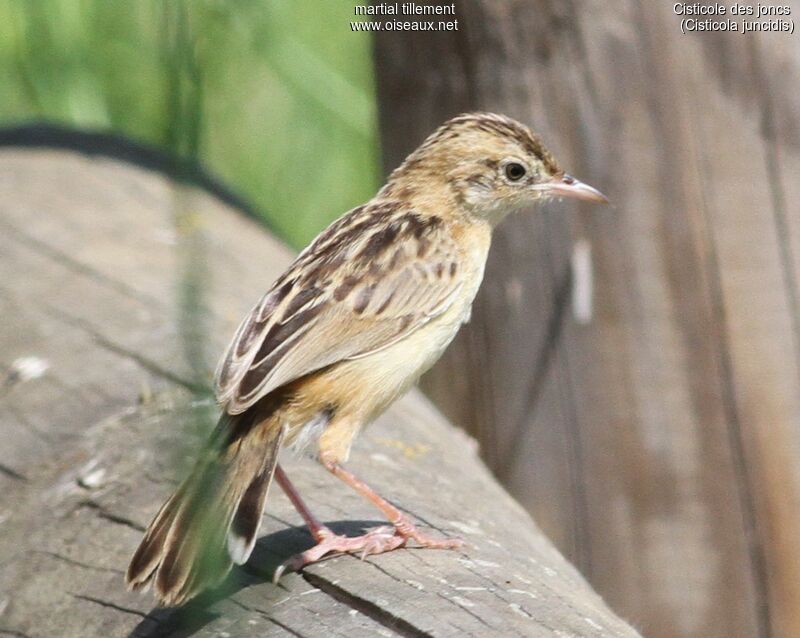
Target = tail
(212,519)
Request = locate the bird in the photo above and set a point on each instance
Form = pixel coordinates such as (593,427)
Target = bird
(351,325)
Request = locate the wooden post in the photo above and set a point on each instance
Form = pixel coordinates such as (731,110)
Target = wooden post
(657,445)
(101,416)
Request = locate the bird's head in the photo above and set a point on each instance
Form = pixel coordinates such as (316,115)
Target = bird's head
(493,165)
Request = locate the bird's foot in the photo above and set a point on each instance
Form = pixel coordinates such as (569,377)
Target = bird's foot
(408,531)
(376,541)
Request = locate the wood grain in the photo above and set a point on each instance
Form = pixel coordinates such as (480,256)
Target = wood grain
(659,445)
(96,258)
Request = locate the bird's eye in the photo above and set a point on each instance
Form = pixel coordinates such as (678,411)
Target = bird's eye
(515,171)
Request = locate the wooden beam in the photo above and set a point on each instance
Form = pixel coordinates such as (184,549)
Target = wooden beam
(108,339)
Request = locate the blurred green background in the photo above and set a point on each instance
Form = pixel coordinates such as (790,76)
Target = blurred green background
(275,97)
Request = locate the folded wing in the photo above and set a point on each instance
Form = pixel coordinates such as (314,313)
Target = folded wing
(373,277)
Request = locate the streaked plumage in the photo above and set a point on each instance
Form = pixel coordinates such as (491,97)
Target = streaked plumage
(379,273)
(352,324)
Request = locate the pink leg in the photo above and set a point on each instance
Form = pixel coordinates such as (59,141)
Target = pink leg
(375,541)
(317,529)
(381,539)
(403,526)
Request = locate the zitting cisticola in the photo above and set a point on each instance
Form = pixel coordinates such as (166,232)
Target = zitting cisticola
(361,313)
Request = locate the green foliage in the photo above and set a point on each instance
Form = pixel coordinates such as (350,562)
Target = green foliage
(275,96)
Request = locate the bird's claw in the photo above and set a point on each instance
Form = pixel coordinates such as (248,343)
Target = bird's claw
(375,541)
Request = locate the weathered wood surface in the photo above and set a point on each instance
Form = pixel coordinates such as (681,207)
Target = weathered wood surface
(99,264)
(659,446)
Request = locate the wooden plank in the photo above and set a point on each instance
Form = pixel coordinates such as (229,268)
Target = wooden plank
(92,446)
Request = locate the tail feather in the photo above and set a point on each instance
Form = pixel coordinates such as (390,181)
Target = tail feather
(148,555)
(194,556)
(212,519)
(244,526)
(242,532)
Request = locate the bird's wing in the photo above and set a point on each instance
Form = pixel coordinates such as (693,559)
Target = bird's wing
(373,277)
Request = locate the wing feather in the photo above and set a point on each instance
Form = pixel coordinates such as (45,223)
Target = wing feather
(375,276)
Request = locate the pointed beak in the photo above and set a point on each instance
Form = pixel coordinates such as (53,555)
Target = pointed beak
(568,186)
